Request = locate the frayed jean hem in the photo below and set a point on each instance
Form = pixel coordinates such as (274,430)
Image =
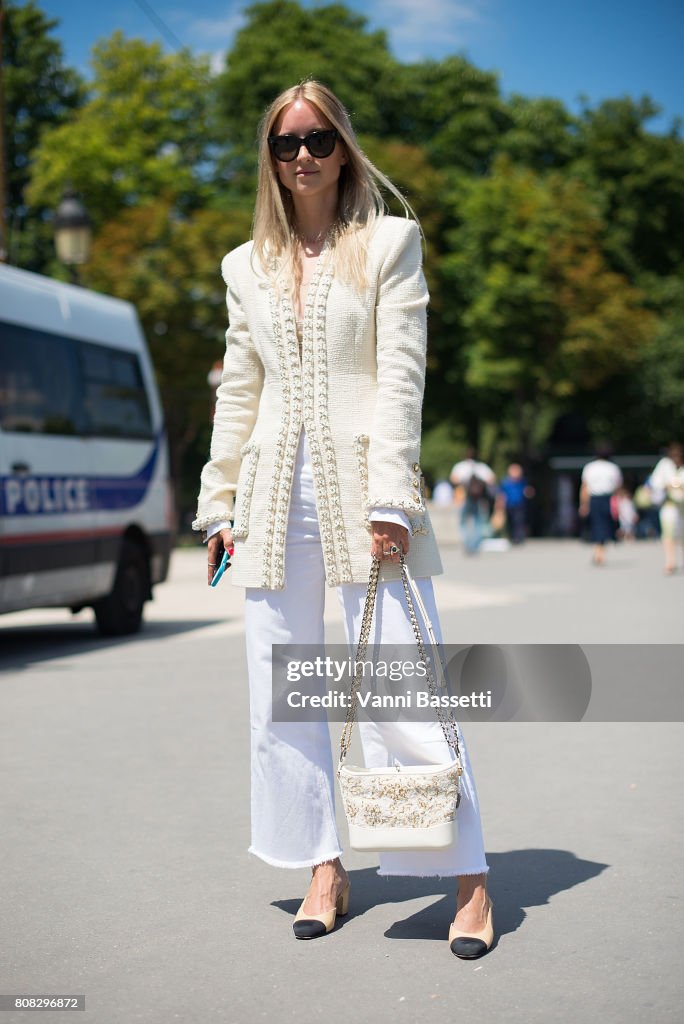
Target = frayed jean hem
(275,863)
(436,874)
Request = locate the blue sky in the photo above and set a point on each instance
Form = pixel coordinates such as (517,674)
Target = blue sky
(599,48)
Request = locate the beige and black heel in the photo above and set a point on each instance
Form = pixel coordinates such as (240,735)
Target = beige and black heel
(471,945)
(311,926)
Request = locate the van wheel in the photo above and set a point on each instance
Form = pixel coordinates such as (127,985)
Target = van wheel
(121,611)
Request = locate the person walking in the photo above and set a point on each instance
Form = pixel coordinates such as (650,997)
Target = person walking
(516,491)
(668,479)
(475,479)
(314,470)
(601,478)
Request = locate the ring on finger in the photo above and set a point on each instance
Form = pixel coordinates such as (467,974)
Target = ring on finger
(394,550)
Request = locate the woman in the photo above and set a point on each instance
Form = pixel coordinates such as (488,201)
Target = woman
(477,480)
(667,480)
(601,478)
(316,438)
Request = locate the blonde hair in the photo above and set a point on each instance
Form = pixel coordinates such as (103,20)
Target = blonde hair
(360,202)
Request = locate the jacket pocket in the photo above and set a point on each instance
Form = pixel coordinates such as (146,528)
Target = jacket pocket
(245,487)
(419,521)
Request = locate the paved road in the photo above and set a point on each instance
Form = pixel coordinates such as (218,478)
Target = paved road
(125,814)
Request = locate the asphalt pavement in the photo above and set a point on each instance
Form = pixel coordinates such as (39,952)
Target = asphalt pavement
(125,822)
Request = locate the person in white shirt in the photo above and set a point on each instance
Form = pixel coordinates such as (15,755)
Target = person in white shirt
(477,479)
(601,478)
(668,479)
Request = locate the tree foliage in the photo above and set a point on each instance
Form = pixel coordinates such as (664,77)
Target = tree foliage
(453,109)
(641,179)
(144,131)
(541,134)
(40,93)
(539,312)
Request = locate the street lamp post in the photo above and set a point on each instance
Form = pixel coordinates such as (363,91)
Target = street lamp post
(72,232)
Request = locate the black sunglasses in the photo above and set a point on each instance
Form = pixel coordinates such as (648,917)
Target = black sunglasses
(319,143)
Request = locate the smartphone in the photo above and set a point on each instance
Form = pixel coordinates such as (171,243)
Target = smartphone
(224,564)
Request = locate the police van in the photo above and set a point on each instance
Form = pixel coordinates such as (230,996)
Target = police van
(85,499)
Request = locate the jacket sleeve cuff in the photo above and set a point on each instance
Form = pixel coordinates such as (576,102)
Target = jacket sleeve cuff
(203,522)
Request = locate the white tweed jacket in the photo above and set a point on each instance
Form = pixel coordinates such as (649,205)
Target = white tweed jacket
(357,390)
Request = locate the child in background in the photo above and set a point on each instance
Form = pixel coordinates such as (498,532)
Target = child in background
(625,514)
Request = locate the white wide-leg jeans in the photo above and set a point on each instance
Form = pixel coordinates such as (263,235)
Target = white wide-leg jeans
(292,796)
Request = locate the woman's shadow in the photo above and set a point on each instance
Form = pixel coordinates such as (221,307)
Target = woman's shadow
(519,879)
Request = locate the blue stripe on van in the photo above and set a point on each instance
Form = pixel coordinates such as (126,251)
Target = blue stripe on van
(52,494)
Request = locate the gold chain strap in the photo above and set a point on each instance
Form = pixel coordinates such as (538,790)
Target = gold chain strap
(447,722)
(361,649)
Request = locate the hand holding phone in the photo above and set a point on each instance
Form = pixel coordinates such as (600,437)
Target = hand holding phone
(224,564)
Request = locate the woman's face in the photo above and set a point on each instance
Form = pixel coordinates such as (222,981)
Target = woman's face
(307,176)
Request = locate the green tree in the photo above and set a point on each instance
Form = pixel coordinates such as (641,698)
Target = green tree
(40,93)
(645,408)
(144,132)
(541,133)
(662,379)
(641,178)
(453,109)
(538,315)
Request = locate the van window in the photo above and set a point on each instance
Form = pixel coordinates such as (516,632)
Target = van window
(114,395)
(39,380)
(50,384)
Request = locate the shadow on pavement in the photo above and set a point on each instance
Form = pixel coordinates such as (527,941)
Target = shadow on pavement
(23,646)
(519,879)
